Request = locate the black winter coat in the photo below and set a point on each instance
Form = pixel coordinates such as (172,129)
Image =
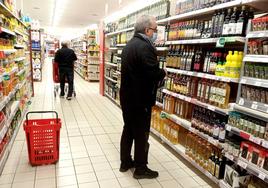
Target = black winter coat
(140,74)
(65,57)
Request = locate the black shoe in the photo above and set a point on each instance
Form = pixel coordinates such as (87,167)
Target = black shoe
(126,167)
(145,173)
(62,95)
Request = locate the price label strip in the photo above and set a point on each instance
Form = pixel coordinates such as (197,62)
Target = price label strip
(242,164)
(254,106)
(262,175)
(241,102)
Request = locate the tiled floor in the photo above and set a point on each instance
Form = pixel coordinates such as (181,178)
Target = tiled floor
(89,150)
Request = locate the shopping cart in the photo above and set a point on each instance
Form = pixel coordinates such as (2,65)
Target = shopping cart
(43,139)
(56,80)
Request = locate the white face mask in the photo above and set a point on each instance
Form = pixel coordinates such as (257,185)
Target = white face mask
(154,37)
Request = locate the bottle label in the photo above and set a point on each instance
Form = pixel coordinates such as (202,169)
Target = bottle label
(225,29)
(217,171)
(222,134)
(239,28)
(231,28)
(216,131)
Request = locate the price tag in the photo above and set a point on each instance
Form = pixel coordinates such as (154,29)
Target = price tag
(212,141)
(212,108)
(220,42)
(241,102)
(258,83)
(242,164)
(188,99)
(243,81)
(257,140)
(265,143)
(262,176)
(254,106)
(230,157)
(228,128)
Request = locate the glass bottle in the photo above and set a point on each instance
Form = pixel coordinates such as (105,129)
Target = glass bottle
(225,30)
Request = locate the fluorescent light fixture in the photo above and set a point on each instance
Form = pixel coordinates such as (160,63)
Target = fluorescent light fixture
(119,2)
(137,5)
(59,9)
(106,8)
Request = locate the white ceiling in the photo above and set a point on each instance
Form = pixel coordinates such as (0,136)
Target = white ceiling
(76,13)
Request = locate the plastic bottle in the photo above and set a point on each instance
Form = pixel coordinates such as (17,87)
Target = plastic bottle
(234,67)
(228,63)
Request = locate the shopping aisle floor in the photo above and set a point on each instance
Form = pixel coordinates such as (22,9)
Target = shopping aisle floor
(89,150)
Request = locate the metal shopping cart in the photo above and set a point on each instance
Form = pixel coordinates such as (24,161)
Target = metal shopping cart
(43,139)
(56,80)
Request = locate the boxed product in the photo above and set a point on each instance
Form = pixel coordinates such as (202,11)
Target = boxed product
(245,151)
(234,179)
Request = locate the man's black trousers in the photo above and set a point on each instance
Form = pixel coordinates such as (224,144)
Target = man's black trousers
(66,73)
(136,128)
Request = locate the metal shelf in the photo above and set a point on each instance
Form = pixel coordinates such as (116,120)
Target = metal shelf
(207,41)
(120,31)
(257,34)
(196,102)
(9,51)
(249,167)
(112,99)
(20,59)
(181,151)
(159,104)
(20,46)
(187,125)
(203,75)
(4,30)
(21,71)
(112,80)
(254,106)
(203,11)
(8,98)
(254,82)
(161,48)
(247,136)
(256,58)
(249,111)
(121,45)
(111,64)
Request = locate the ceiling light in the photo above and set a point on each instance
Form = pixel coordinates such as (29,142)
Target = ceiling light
(59,6)
(94,14)
(106,8)
(36,8)
(119,2)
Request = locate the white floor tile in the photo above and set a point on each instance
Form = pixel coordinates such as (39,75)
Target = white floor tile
(82,169)
(128,182)
(109,183)
(188,182)
(89,185)
(104,175)
(66,181)
(86,178)
(170,184)
(6,179)
(45,183)
(28,184)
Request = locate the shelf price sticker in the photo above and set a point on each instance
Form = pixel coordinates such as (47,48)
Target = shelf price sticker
(265,143)
(258,83)
(242,164)
(243,81)
(255,140)
(228,128)
(241,102)
(262,175)
(227,155)
(212,108)
(254,106)
(220,43)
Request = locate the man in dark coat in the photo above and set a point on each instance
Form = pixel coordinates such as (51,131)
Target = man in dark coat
(139,81)
(65,58)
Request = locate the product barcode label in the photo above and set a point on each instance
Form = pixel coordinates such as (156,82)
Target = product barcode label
(242,164)
(262,176)
(254,106)
(241,102)
(228,128)
(230,157)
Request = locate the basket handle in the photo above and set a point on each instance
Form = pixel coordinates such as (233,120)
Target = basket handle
(42,112)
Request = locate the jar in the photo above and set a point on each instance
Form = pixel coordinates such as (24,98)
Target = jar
(254,25)
(265,47)
(250,47)
(262,131)
(264,96)
(236,151)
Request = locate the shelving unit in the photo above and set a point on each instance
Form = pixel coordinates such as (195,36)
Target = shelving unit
(233,43)
(16,83)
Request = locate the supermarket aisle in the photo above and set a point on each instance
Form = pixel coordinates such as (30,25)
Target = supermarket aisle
(89,154)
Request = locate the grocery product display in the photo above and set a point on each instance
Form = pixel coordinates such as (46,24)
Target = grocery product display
(87,52)
(16,83)
(37,56)
(214,99)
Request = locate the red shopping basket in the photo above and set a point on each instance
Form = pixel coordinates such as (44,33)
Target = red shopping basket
(43,139)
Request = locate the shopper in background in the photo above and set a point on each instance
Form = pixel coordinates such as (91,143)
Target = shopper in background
(65,58)
(139,81)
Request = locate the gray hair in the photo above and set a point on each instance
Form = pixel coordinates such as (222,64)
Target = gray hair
(64,44)
(143,22)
